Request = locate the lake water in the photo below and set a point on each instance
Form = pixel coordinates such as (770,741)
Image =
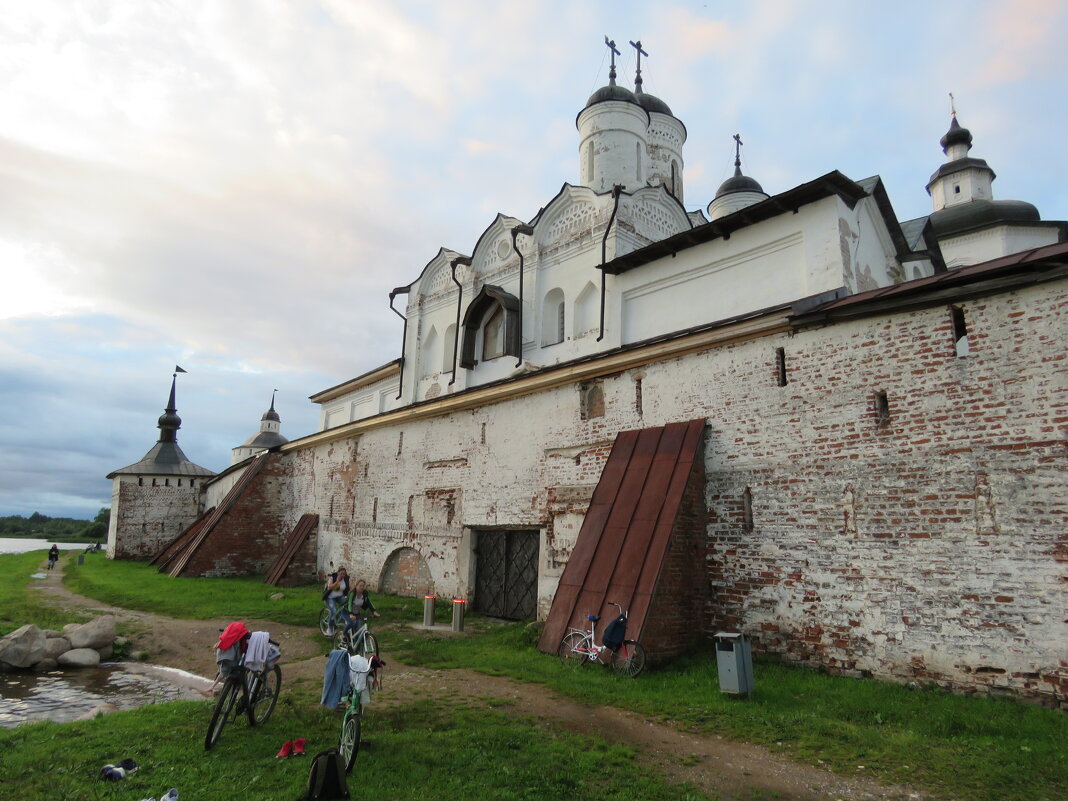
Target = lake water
(21,545)
(62,696)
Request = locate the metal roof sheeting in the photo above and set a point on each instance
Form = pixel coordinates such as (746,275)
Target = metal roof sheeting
(627,529)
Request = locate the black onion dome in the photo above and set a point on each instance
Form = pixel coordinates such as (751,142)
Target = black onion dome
(739,183)
(170,419)
(611,92)
(981,214)
(956,135)
(653,103)
(272,415)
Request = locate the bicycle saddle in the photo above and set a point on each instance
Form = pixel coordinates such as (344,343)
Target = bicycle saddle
(593,618)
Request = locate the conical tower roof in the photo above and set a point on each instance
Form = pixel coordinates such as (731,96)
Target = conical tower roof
(165,457)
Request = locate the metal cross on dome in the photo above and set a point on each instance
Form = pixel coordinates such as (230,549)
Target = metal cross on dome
(638,74)
(612,46)
(737,150)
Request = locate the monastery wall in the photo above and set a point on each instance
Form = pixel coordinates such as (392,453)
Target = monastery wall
(891,510)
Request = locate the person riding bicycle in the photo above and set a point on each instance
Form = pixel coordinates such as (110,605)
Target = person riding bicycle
(358,605)
(335,594)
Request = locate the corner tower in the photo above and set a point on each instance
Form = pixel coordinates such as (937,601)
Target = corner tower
(155,499)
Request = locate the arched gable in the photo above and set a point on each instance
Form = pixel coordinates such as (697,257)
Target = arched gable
(493,251)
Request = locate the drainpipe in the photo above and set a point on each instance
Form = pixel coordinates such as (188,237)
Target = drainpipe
(466,260)
(401,290)
(616,190)
(520,229)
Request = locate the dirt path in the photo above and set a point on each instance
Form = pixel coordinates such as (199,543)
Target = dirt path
(728,770)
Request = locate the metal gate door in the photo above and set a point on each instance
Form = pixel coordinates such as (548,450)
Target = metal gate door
(506,574)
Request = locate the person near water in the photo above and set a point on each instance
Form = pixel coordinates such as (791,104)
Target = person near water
(53,556)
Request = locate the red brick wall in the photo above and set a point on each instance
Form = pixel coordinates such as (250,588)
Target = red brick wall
(680,600)
(251,534)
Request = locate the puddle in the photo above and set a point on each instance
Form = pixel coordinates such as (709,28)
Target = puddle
(63,696)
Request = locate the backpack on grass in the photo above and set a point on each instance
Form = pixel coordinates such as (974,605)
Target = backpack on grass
(327,777)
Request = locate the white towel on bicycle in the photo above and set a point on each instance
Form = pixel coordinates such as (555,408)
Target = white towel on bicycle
(359,667)
(259,648)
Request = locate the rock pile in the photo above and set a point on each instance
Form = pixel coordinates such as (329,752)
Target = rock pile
(78,645)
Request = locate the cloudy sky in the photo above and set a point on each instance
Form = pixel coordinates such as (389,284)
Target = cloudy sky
(235,185)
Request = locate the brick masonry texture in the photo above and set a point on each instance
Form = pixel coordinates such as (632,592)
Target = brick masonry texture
(930,546)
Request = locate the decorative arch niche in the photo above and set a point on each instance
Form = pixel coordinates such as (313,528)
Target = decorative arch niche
(405,572)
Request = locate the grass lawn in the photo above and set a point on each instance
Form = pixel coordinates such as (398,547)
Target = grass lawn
(980,749)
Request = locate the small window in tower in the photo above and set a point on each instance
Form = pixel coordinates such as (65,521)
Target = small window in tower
(153,482)
(140,481)
(960,331)
(882,408)
(589,164)
(192,482)
(179,482)
(780,366)
(747,509)
(674,178)
(638,400)
(956,189)
(166,482)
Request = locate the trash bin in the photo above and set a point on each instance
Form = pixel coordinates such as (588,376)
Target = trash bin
(428,609)
(735,661)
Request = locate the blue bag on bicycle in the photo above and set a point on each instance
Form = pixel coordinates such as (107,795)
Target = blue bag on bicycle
(615,632)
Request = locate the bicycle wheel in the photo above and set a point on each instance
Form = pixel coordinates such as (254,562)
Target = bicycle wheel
(224,711)
(629,659)
(325,623)
(368,646)
(572,650)
(350,739)
(265,695)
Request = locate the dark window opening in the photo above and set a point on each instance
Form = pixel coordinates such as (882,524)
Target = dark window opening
(400,442)
(638,396)
(956,190)
(960,331)
(747,509)
(491,320)
(482,436)
(780,366)
(140,481)
(166,482)
(882,408)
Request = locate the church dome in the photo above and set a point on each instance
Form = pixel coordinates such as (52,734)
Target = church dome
(653,103)
(739,183)
(956,135)
(611,92)
(981,213)
(271,414)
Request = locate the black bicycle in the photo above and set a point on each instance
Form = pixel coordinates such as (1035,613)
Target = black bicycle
(254,692)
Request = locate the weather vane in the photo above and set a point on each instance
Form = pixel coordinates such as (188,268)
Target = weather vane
(953,105)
